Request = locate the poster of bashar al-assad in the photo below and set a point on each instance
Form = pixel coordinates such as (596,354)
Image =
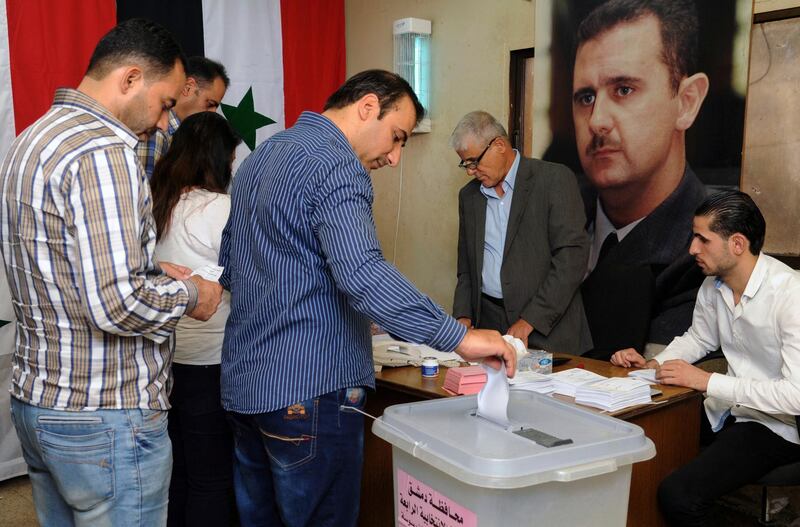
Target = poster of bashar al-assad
(716,44)
(644,100)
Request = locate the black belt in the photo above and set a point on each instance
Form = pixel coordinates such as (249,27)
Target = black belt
(496,301)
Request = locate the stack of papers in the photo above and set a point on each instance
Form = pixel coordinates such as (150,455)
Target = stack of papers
(533,382)
(566,382)
(466,380)
(614,394)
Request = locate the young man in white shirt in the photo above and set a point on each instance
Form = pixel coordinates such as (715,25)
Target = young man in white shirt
(747,306)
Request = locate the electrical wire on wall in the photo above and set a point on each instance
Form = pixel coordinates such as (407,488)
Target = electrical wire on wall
(397,219)
(769,54)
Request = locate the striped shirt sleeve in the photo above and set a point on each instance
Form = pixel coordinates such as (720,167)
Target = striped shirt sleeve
(120,288)
(346,231)
(224,254)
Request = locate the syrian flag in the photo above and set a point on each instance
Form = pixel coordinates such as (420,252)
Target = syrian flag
(282,56)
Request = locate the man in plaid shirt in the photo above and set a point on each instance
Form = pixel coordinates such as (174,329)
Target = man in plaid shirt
(94,314)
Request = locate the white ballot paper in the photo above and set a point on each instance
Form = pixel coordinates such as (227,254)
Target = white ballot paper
(209,272)
(493,398)
(647,375)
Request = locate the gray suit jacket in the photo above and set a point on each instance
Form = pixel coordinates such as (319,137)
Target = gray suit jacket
(544,259)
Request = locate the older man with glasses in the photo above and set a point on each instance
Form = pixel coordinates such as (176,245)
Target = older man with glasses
(522,247)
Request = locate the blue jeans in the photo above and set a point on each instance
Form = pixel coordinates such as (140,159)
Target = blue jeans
(301,466)
(96,468)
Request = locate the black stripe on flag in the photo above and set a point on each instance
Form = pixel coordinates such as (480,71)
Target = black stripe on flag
(183,18)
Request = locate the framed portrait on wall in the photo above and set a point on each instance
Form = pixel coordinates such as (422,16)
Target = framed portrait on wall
(714,140)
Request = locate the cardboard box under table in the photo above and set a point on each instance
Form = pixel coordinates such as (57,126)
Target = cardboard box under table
(452,468)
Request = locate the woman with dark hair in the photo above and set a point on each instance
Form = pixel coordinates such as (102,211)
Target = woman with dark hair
(191,207)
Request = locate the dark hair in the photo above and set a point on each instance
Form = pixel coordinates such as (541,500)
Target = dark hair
(136,41)
(204,71)
(732,211)
(679,28)
(199,156)
(387,86)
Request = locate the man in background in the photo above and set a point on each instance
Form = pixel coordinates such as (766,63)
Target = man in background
(94,315)
(636,91)
(522,247)
(748,307)
(206,84)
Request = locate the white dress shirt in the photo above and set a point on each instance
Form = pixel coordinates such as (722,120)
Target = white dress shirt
(760,338)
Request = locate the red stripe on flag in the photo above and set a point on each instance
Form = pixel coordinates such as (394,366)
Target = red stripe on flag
(50,44)
(313,54)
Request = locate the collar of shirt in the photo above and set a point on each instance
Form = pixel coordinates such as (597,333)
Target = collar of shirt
(319,121)
(757,277)
(69,98)
(173,122)
(508,182)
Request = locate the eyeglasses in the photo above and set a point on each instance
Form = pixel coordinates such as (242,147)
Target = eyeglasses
(472,165)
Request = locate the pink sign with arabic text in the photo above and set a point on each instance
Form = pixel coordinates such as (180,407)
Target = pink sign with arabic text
(421,506)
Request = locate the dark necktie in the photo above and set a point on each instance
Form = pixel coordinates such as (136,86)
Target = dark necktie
(609,243)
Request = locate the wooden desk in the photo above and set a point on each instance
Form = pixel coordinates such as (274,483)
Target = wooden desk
(674,427)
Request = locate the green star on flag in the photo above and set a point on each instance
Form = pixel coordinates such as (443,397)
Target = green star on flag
(245,119)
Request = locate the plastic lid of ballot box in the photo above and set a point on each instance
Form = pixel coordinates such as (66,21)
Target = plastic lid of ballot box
(445,434)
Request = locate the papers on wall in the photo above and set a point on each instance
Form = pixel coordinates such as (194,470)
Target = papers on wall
(567,381)
(613,394)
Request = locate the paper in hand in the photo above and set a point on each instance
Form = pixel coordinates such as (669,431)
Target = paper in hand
(647,375)
(493,398)
(209,272)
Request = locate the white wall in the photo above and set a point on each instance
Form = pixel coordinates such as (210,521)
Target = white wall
(471,40)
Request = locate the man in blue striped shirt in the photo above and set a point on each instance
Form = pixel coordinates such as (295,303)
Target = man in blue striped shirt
(306,273)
